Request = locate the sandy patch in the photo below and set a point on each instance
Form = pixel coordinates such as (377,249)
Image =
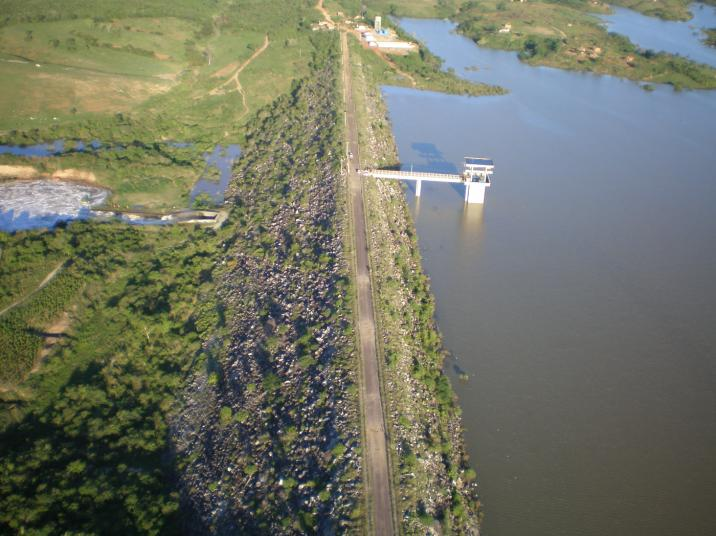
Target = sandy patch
(226,71)
(18,172)
(53,335)
(74,175)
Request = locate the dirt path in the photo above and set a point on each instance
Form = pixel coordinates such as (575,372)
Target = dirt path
(49,277)
(378,478)
(220,89)
(326,15)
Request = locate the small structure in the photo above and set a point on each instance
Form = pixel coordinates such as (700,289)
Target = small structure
(378,24)
(476,176)
(396,45)
(323,25)
(477,172)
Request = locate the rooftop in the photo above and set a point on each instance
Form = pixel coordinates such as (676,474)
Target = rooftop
(474,161)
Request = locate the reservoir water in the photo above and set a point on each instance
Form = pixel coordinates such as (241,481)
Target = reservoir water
(676,37)
(581,300)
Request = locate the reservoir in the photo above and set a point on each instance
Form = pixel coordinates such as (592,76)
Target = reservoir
(581,299)
(676,37)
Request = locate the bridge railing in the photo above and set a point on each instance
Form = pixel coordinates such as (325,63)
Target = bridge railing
(384,173)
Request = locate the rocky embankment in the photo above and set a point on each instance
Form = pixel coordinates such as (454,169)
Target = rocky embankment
(436,489)
(269,435)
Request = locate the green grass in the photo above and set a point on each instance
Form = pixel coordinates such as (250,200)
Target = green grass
(663,9)
(425,68)
(40,10)
(144,72)
(710,37)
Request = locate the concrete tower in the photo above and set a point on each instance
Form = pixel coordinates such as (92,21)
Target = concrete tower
(476,175)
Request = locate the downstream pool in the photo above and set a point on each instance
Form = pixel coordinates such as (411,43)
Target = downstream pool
(37,203)
(581,300)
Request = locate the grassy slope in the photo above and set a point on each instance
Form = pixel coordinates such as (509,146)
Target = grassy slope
(130,73)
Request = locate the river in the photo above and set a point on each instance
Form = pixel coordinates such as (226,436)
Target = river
(581,300)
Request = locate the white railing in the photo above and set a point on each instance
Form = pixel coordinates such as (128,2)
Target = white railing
(412,175)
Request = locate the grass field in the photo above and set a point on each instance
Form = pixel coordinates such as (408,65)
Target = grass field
(128,72)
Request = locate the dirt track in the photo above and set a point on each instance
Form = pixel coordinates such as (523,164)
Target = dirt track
(220,90)
(376,449)
(49,277)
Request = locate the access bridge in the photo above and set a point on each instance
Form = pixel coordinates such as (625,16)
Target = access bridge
(476,176)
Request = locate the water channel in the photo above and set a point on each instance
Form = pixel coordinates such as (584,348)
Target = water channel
(581,300)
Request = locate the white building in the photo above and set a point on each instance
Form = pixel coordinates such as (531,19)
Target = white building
(401,45)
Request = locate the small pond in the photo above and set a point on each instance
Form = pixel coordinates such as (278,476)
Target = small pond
(29,204)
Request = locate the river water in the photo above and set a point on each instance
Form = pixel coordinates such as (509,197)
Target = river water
(581,300)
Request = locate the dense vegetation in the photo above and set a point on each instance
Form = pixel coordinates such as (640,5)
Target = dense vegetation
(85,443)
(710,37)
(102,438)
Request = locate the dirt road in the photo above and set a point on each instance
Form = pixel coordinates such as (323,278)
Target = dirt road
(49,277)
(221,89)
(376,448)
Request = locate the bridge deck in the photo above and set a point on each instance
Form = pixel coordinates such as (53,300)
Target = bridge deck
(412,175)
